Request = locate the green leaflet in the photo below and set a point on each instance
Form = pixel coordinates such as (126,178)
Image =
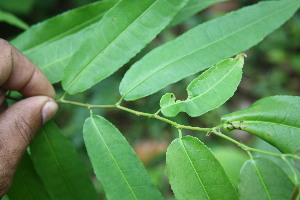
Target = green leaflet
(116,165)
(61,26)
(195,173)
(204,46)
(274,119)
(12,20)
(59,166)
(119,36)
(192,7)
(52,43)
(26,184)
(209,91)
(262,179)
(52,58)
(20,7)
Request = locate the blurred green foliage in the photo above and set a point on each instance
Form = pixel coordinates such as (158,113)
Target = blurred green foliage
(271,68)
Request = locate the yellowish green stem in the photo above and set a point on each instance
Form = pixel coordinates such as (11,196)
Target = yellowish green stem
(214,130)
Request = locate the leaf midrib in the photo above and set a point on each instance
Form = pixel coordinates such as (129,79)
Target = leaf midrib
(194,169)
(210,44)
(63,34)
(113,158)
(109,45)
(56,61)
(268,122)
(60,168)
(261,179)
(29,192)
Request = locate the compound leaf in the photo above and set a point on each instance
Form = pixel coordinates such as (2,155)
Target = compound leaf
(209,91)
(192,7)
(26,183)
(119,36)
(115,163)
(204,46)
(262,179)
(195,173)
(274,119)
(52,43)
(59,166)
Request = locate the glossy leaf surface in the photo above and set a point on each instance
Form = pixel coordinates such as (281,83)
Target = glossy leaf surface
(119,36)
(204,46)
(52,43)
(12,20)
(262,179)
(115,163)
(59,166)
(209,91)
(274,119)
(26,183)
(192,7)
(195,173)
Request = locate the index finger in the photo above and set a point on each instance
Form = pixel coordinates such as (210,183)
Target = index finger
(20,74)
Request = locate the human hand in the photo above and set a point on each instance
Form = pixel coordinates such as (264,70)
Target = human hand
(20,122)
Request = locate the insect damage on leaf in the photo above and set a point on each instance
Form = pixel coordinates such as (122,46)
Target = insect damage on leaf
(209,91)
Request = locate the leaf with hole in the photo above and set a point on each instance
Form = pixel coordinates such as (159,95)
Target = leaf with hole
(209,91)
(195,173)
(204,46)
(120,35)
(274,119)
(115,163)
(262,179)
(59,166)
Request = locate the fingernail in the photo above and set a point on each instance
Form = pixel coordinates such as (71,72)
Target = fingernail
(48,110)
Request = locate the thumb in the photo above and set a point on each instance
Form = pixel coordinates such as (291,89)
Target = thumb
(18,125)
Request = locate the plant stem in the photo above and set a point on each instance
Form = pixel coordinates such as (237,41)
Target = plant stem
(296,181)
(248,149)
(214,130)
(138,113)
(88,106)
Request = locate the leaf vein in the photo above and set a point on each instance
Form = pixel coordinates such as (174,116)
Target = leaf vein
(113,158)
(210,44)
(194,169)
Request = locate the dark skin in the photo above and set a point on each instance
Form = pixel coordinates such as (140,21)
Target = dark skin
(20,122)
